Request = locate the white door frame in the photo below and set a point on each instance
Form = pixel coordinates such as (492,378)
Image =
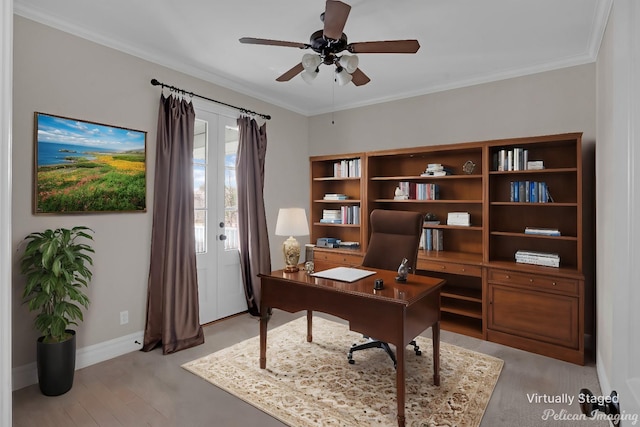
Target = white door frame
(6,105)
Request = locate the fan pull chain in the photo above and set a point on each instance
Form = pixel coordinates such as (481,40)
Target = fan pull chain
(333,100)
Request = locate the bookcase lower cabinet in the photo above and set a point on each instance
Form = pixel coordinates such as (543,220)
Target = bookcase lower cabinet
(461,298)
(540,314)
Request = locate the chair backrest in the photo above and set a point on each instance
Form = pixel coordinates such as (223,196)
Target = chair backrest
(394,235)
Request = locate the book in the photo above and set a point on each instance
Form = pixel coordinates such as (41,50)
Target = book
(535,165)
(542,231)
(349,245)
(330,221)
(458,218)
(335,196)
(538,258)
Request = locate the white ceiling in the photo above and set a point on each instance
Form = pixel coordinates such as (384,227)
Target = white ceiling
(463,42)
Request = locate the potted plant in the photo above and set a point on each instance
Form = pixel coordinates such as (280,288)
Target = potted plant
(56,266)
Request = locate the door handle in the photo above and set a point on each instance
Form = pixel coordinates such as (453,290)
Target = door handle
(222,237)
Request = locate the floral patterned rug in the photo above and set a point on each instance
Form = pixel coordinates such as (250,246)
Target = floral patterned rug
(312,384)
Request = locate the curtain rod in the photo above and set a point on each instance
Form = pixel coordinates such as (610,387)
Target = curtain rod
(155,82)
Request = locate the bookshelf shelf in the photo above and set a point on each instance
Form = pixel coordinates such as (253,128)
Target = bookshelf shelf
(339,202)
(535,171)
(328,224)
(533,236)
(336,178)
(426,178)
(440,201)
(530,205)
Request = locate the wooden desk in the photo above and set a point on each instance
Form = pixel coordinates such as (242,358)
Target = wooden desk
(396,314)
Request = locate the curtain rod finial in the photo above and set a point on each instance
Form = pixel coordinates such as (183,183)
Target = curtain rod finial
(155,82)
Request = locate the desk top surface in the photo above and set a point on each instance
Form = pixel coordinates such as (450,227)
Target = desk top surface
(413,289)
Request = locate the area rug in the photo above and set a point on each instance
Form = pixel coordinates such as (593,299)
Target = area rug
(312,384)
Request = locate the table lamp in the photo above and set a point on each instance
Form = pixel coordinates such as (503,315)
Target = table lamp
(291,222)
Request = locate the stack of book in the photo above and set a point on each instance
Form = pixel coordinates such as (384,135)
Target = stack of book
(435,169)
(538,258)
(331,216)
(431,239)
(458,218)
(542,231)
(335,196)
(349,245)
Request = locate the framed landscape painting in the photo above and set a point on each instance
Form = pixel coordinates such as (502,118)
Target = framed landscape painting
(84,167)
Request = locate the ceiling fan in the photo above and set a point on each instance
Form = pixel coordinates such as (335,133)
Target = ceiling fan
(329,42)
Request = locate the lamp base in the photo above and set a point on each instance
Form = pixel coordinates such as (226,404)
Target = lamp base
(291,250)
(291,269)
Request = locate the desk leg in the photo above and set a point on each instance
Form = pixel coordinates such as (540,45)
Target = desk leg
(436,353)
(400,384)
(309,325)
(264,319)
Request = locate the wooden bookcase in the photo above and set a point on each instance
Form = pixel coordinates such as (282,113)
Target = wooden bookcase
(537,308)
(460,260)
(325,179)
(488,294)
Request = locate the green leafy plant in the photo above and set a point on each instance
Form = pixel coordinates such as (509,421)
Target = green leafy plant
(56,265)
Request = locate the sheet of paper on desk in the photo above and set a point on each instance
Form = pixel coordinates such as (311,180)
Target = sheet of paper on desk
(343,274)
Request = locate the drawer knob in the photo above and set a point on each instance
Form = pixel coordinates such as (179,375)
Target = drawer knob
(530,280)
(507,276)
(554,283)
(444,267)
(463,270)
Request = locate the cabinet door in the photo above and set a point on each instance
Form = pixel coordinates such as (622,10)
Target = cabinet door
(542,316)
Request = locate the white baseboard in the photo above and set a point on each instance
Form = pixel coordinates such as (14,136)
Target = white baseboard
(27,375)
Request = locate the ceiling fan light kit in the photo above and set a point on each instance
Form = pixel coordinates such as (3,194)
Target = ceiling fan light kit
(342,77)
(329,42)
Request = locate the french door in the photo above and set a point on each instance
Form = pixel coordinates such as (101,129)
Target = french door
(220,287)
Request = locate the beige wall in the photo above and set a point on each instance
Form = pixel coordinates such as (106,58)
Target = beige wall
(57,73)
(551,102)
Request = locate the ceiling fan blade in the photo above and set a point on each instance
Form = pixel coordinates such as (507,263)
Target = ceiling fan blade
(359,78)
(252,40)
(335,18)
(297,69)
(389,46)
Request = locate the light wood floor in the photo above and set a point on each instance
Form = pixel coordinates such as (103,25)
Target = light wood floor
(149,389)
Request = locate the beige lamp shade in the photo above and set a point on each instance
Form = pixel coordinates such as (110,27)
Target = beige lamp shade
(291,222)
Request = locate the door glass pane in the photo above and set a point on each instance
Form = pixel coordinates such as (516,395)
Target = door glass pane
(230,189)
(200,184)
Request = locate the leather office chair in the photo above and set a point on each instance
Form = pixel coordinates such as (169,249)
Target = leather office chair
(394,235)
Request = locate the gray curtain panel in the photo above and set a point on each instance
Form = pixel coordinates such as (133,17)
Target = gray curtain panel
(173,319)
(255,257)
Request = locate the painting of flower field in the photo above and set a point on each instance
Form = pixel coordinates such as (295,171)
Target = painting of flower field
(84,167)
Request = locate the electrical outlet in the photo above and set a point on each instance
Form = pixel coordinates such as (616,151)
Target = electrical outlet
(124,317)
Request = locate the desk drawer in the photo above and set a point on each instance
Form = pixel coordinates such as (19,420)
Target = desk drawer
(534,281)
(337,258)
(446,267)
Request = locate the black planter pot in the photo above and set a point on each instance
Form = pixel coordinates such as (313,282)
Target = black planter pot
(56,365)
